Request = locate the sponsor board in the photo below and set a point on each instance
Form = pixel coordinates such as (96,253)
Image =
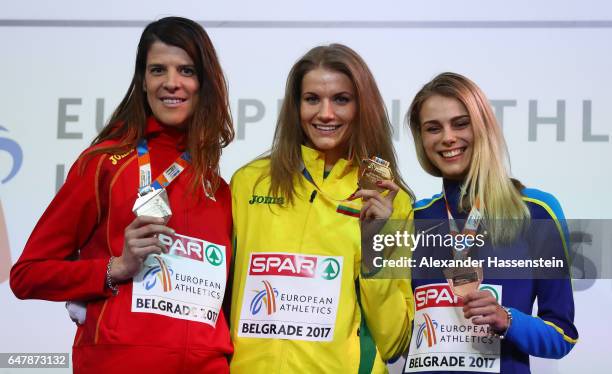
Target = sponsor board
(443,340)
(187,283)
(291,296)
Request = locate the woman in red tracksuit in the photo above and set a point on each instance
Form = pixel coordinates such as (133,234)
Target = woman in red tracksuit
(153,281)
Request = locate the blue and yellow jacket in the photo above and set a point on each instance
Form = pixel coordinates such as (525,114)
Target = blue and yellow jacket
(550,334)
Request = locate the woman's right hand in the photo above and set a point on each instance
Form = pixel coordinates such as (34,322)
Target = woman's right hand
(375,212)
(140,241)
(375,205)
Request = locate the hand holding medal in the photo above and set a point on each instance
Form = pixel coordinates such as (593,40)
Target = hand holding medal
(485,309)
(375,205)
(465,281)
(374,178)
(152,210)
(140,241)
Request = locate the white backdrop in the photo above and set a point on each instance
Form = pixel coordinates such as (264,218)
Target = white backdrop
(66,65)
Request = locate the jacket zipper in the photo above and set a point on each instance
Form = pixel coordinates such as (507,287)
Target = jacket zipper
(313,195)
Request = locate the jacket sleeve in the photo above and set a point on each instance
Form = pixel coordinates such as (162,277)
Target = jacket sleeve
(539,337)
(552,333)
(45,269)
(388,304)
(227,201)
(235,188)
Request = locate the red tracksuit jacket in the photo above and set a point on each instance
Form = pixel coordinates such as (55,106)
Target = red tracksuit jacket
(88,218)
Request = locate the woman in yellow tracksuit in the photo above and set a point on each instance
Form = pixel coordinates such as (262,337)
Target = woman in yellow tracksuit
(299,303)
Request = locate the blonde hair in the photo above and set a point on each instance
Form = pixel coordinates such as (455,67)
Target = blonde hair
(488,178)
(371,135)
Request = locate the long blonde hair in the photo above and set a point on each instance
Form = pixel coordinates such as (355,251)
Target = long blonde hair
(488,177)
(372,130)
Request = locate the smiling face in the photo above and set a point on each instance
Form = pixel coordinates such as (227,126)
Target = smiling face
(171,84)
(327,109)
(448,136)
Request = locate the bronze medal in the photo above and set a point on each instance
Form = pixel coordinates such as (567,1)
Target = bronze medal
(372,171)
(463,280)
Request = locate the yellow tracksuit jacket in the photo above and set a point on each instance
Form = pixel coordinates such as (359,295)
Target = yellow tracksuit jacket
(317,224)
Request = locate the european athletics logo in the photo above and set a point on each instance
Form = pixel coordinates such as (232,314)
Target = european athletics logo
(161,272)
(13,149)
(266,297)
(427,330)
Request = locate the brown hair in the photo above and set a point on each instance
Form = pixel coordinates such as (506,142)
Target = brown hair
(210,127)
(488,176)
(371,135)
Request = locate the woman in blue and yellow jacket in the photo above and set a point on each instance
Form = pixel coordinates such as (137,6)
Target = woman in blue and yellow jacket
(464,322)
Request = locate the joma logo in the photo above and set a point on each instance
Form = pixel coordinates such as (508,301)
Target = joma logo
(115,158)
(266,200)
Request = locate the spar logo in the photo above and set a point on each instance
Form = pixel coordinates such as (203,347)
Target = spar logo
(290,265)
(14,150)
(161,273)
(331,268)
(283,264)
(441,295)
(266,297)
(438,295)
(193,248)
(214,255)
(427,332)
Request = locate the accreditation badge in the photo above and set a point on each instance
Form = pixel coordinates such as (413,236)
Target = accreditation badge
(444,340)
(374,170)
(187,283)
(155,203)
(291,296)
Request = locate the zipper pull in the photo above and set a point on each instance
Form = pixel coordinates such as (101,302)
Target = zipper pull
(313,195)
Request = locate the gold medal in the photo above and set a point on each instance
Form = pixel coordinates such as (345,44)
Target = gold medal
(463,280)
(374,170)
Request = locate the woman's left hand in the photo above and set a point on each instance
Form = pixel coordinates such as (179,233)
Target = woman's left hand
(485,309)
(375,205)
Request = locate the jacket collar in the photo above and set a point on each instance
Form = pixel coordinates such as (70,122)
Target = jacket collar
(154,127)
(452,191)
(314,162)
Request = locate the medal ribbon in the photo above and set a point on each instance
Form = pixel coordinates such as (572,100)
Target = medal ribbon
(470,227)
(309,178)
(165,178)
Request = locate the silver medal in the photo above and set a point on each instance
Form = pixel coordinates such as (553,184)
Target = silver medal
(153,204)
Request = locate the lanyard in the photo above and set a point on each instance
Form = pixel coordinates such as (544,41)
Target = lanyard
(470,227)
(309,178)
(165,178)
